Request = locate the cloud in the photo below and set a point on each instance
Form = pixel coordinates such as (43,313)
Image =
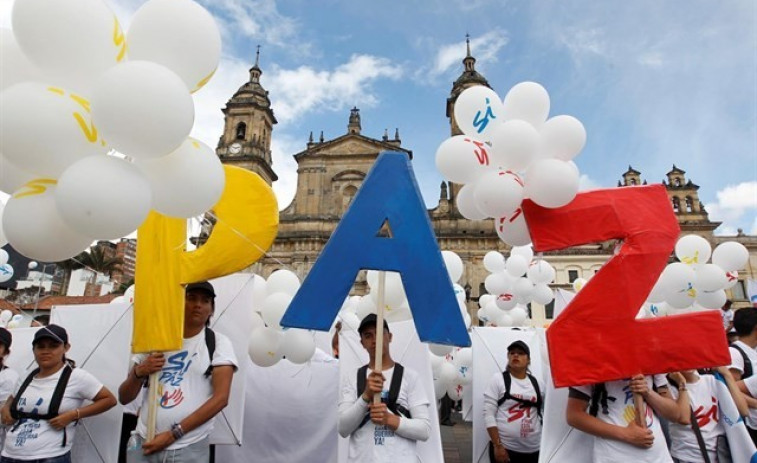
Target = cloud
(282,147)
(448,57)
(586,183)
(733,202)
(305,89)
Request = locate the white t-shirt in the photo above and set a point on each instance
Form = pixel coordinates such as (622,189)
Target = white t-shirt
(737,363)
(379,444)
(703,398)
(620,413)
(8,382)
(36,439)
(183,387)
(751,385)
(519,426)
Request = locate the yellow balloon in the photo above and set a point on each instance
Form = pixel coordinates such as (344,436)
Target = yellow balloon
(247,221)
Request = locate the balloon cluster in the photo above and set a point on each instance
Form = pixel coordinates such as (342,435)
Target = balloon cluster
(95,123)
(396,306)
(6,269)
(512,284)
(8,320)
(269,342)
(452,370)
(510,151)
(693,283)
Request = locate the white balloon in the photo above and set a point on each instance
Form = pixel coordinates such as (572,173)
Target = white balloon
(693,250)
(467,320)
(504,319)
(118,300)
(514,145)
(682,299)
(3,257)
(526,251)
(371,277)
(485,299)
(447,372)
(143,109)
(732,278)
(730,256)
(551,183)
(6,315)
(518,315)
(523,289)
(179,34)
(68,132)
(440,388)
(436,364)
(71,41)
(506,301)
(129,294)
(454,265)
(12,177)
(187,182)
(516,265)
(297,346)
(487,314)
(274,307)
(498,283)
(478,110)
(397,313)
(660,290)
(710,277)
(256,321)
(439,349)
(6,272)
(103,196)
(678,277)
(498,192)
(259,291)
(466,203)
(455,390)
(579,283)
(32,264)
(265,346)
(541,272)
(513,229)
(459,293)
(542,294)
(563,137)
(15,67)
(394,292)
(365,307)
(659,309)
(711,299)
(283,281)
(528,101)
(35,229)
(462,159)
(494,261)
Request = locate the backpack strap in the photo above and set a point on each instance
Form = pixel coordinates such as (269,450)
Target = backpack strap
(539,405)
(361,374)
(700,439)
(748,370)
(534,383)
(508,381)
(394,392)
(55,401)
(210,342)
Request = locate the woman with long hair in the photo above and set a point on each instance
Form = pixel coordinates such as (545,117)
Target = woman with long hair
(45,407)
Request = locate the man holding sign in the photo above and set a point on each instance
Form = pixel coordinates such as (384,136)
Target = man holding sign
(386,431)
(194,385)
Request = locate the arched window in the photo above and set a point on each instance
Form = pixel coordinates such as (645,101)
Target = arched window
(689,204)
(347,194)
(241,131)
(677,181)
(633,181)
(676,204)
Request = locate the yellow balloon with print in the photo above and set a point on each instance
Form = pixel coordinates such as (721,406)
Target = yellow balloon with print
(71,41)
(44,129)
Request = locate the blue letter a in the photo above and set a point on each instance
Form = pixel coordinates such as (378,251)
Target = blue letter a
(389,194)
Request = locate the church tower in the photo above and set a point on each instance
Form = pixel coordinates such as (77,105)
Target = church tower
(468,78)
(248,123)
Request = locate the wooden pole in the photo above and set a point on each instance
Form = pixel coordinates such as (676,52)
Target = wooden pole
(640,409)
(152,405)
(379,365)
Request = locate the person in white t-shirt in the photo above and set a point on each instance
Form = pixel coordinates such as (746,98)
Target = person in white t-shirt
(514,427)
(726,313)
(700,395)
(618,438)
(744,359)
(8,376)
(385,432)
(193,387)
(41,422)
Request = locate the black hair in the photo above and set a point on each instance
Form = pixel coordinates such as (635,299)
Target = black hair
(744,320)
(43,319)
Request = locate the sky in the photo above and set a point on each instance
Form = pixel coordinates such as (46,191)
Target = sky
(655,83)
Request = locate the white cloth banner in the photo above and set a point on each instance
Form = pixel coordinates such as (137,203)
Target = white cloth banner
(290,413)
(751,290)
(490,357)
(408,350)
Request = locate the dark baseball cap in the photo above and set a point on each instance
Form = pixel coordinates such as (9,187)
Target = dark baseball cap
(54,332)
(6,338)
(203,286)
(370,320)
(519,345)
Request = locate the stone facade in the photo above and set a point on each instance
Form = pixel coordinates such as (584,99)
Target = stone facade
(331,171)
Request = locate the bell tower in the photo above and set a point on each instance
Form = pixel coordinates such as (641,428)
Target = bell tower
(248,123)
